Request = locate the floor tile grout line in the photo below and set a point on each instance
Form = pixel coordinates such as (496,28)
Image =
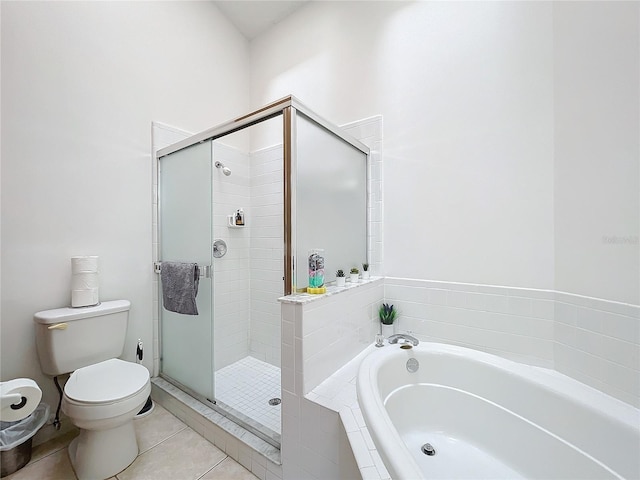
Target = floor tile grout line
(162,441)
(212,468)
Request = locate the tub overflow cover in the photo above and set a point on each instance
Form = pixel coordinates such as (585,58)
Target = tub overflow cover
(413,365)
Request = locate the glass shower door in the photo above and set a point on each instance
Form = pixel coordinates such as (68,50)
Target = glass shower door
(185,225)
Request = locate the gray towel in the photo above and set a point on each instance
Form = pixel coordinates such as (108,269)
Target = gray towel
(180,287)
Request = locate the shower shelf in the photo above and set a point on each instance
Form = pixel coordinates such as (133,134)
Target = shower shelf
(231,222)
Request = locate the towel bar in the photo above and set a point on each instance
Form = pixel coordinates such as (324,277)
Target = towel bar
(205,270)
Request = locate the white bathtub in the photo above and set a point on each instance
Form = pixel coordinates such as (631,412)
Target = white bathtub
(488,417)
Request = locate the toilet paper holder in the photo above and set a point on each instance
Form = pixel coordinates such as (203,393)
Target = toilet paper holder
(18,399)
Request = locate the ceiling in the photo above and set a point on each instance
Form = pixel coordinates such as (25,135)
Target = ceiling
(253,17)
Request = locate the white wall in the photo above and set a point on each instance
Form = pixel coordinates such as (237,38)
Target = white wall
(466,90)
(81,83)
(511,132)
(597,147)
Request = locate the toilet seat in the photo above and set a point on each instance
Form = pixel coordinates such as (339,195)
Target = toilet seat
(107,382)
(105,391)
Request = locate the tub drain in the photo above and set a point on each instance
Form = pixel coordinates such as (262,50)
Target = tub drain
(275,401)
(428,449)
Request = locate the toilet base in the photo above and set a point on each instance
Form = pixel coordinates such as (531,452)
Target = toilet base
(100,454)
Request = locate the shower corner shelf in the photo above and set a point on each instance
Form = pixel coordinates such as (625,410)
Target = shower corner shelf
(231,222)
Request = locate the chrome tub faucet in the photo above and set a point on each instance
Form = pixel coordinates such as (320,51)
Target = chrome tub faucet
(403,338)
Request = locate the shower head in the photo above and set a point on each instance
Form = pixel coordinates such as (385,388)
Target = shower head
(225,170)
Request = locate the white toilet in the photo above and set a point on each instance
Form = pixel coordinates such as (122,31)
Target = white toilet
(103,394)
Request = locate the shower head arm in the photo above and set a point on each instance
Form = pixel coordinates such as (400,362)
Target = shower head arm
(225,170)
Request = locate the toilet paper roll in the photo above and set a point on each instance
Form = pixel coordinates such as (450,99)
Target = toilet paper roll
(19,398)
(84,280)
(84,297)
(84,263)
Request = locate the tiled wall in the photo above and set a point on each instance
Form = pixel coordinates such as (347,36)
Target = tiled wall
(266,227)
(334,330)
(512,323)
(369,132)
(231,273)
(598,343)
(318,338)
(595,341)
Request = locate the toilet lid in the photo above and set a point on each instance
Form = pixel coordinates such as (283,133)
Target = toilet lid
(107,381)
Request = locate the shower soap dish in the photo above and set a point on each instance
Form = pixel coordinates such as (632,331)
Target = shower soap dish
(231,222)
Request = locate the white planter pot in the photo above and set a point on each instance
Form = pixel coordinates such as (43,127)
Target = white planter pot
(354,277)
(365,275)
(387,330)
(340,281)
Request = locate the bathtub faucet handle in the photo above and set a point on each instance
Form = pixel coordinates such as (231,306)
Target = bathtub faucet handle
(403,338)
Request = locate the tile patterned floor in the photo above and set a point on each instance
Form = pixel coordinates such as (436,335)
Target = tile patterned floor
(169,450)
(247,386)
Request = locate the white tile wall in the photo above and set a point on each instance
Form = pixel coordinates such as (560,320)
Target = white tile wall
(513,323)
(595,341)
(598,343)
(231,288)
(369,132)
(334,330)
(318,338)
(265,222)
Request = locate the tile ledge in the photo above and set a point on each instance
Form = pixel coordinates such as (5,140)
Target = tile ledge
(305,298)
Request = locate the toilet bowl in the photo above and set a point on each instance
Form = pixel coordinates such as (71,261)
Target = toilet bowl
(102,400)
(103,393)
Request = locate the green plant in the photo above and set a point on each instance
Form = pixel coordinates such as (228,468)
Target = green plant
(387,314)
(339,273)
(365,267)
(355,271)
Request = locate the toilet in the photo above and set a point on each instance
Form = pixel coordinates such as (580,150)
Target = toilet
(103,393)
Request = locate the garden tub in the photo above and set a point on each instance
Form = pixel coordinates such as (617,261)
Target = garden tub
(442,411)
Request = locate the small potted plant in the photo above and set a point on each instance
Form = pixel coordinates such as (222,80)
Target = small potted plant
(354,275)
(387,315)
(365,271)
(340,279)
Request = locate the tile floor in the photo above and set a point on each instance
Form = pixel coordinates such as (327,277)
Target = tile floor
(247,386)
(169,450)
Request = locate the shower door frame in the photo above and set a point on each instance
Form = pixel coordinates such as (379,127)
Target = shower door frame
(289,107)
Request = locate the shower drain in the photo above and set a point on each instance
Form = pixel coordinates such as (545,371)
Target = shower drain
(275,401)
(428,449)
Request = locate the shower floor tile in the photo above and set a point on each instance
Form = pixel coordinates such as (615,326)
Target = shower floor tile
(247,386)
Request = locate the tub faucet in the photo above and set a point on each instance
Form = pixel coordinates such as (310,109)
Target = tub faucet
(395,338)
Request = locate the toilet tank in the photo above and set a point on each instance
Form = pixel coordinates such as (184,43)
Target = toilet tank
(71,338)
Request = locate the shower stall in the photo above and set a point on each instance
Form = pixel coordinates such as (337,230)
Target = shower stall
(243,200)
